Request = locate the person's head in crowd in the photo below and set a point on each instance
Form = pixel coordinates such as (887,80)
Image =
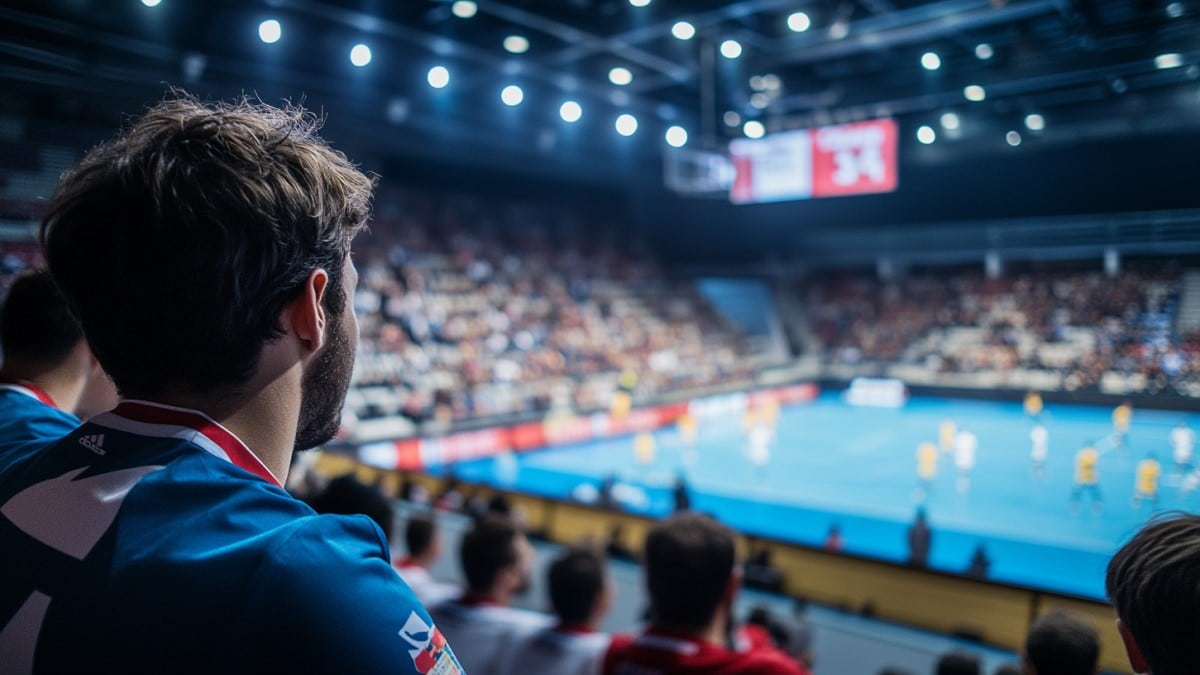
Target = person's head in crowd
(958,663)
(421,538)
(43,344)
(1061,643)
(691,575)
(580,593)
(1154,585)
(206,253)
(348,496)
(497,559)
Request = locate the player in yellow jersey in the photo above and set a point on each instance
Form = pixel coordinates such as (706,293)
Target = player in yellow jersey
(1033,404)
(1122,415)
(644,448)
(622,403)
(946,432)
(927,465)
(686,426)
(1087,478)
(1145,485)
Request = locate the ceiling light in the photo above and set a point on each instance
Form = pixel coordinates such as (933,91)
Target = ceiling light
(984,51)
(839,30)
(950,121)
(639,3)
(512,95)
(270,31)
(626,124)
(1175,10)
(516,44)
(732,119)
(570,111)
(438,77)
(926,134)
(151,3)
(1035,122)
(931,61)
(760,100)
(620,76)
(974,92)
(463,9)
(799,22)
(360,55)
(683,30)
(771,82)
(1013,138)
(754,129)
(731,49)
(756,83)
(676,137)
(1164,61)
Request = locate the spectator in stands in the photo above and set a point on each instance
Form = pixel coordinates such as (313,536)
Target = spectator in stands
(348,496)
(1061,643)
(206,253)
(497,561)
(958,663)
(424,548)
(920,540)
(692,580)
(49,375)
(980,563)
(580,594)
(1154,584)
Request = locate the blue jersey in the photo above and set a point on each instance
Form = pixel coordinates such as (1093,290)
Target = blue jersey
(150,539)
(29,420)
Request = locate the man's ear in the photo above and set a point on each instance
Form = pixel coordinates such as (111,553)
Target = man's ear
(1136,660)
(307,313)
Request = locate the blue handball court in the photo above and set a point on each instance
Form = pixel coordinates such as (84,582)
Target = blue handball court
(833,464)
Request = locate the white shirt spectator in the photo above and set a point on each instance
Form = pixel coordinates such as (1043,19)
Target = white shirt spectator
(1183,440)
(487,632)
(428,590)
(559,650)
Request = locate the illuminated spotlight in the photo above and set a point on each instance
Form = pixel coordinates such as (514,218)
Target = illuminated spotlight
(1164,61)
(270,31)
(151,3)
(926,134)
(950,121)
(1035,122)
(974,92)
(839,30)
(570,111)
(360,55)
(626,124)
(756,83)
(517,44)
(464,9)
(620,76)
(754,129)
(731,49)
(799,22)
(732,119)
(438,77)
(984,51)
(676,137)
(639,3)
(683,30)
(772,82)
(760,100)
(1013,138)
(931,61)
(512,95)
(1175,10)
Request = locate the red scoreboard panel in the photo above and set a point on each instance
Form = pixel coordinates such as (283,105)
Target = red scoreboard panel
(847,159)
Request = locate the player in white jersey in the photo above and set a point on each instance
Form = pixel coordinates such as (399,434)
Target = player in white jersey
(1039,440)
(759,445)
(965,444)
(1183,442)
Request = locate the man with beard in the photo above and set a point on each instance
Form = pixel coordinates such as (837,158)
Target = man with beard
(497,561)
(206,253)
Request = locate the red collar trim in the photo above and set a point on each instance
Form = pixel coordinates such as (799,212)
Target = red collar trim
(233,447)
(27,387)
(573,628)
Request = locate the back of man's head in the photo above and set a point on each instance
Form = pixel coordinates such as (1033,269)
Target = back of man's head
(1154,584)
(347,496)
(958,663)
(576,581)
(689,561)
(419,534)
(487,549)
(37,329)
(1062,643)
(180,243)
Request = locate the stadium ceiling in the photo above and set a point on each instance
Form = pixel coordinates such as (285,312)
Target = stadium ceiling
(1088,68)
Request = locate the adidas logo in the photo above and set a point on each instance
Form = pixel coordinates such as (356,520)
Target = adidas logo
(95,443)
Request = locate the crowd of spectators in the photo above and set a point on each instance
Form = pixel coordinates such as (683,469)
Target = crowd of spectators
(1052,329)
(471,308)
